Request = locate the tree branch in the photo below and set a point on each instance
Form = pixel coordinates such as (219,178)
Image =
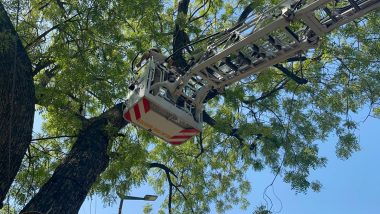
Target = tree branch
(42,65)
(233,131)
(168,171)
(279,86)
(163,167)
(36,40)
(297,59)
(191,19)
(243,16)
(200,145)
(48,76)
(121,206)
(291,75)
(180,38)
(54,137)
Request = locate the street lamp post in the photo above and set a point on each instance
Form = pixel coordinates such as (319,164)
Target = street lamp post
(145,198)
(127,197)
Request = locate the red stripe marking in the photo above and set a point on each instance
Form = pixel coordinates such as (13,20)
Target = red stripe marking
(137,111)
(176,142)
(127,116)
(189,131)
(146,105)
(181,137)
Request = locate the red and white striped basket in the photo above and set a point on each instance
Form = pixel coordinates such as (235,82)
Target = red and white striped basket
(144,116)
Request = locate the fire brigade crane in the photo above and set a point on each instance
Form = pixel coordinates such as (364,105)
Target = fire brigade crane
(169,104)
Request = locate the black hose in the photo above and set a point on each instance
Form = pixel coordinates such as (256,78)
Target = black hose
(133,61)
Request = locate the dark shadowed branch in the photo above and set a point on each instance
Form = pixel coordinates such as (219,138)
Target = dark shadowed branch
(200,145)
(243,16)
(42,35)
(169,172)
(291,75)
(233,132)
(180,38)
(54,137)
(121,206)
(191,19)
(280,85)
(42,65)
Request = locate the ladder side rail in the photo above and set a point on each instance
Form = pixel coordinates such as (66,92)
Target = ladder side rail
(279,23)
(266,14)
(261,33)
(348,16)
(310,7)
(353,14)
(245,26)
(303,46)
(303,14)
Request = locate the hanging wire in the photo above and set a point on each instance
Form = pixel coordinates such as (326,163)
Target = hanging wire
(192,43)
(275,195)
(133,62)
(90,204)
(95,203)
(286,135)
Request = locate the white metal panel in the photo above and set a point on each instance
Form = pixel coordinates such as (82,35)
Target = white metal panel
(159,125)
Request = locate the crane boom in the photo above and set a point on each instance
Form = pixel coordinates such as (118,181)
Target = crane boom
(172,110)
(269,43)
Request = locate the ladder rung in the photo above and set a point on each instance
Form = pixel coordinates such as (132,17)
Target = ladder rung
(213,73)
(328,12)
(274,42)
(314,24)
(292,34)
(230,64)
(197,81)
(210,71)
(190,87)
(245,59)
(256,51)
(226,72)
(354,4)
(215,69)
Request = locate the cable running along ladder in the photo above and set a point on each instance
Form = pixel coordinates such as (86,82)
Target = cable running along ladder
(170,105)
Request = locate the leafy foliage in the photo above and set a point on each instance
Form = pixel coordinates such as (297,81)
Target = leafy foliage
(83,67)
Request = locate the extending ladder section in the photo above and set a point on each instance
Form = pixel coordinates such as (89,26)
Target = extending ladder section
(265,40)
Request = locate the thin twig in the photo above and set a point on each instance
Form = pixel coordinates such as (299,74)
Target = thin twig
(54,137)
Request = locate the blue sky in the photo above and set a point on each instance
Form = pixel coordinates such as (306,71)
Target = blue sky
(349,187)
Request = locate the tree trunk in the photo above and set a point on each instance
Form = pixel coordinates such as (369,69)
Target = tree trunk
(180,38)
(16,103)
(66,190)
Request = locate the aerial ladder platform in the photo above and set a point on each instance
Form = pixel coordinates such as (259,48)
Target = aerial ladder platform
(169,104)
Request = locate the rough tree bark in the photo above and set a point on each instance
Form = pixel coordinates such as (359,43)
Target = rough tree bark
(180,38)
(66,190)
(16,103)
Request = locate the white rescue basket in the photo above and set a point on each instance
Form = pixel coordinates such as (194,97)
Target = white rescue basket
(156,113)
